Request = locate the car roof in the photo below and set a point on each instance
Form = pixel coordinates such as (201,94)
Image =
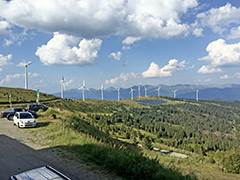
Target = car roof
(25,112)
(42,173)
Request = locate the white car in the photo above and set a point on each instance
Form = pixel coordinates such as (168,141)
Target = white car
(24,119)
(42,173)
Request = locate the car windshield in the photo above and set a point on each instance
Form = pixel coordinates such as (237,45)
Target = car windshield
(25,116)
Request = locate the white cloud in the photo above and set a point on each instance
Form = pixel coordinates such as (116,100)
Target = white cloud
(5,60)
(8,42)
(218,19)
(126,47)
(198,32)
(220,55)
(155,71)
(235,33)
(225,77)
(61,49)
(116,56)
(237,75)
(136,18)
(208,69)
(130,40)
(4,27)
(12,77)
(122,77)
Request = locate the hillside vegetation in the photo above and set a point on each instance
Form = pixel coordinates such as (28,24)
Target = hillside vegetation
(208,131)
(22,95)
(120,136)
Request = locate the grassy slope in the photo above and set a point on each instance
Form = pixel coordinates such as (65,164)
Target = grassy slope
(22,95)
(57,133)
(196,166)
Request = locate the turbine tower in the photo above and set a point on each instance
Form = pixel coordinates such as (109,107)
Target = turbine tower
(131,91)
(145,91)
(26,74)
(118,94)
(196,94)
(174,93)
(159,91)
(102,89)
(62,87)
(139,91)
(83,90)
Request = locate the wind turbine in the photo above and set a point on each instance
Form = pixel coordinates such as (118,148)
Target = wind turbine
(26,74)
(159,91)
(174,93)
(118,94)
(83,90)
(139,91)
(145,91)
(196,94)
(131,91)
(102,89)
(62,87)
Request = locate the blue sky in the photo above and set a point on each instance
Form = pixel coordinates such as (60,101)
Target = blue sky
(119,43)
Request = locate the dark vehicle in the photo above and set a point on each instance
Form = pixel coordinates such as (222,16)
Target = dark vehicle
(36,107)
(43,173)
(10,113)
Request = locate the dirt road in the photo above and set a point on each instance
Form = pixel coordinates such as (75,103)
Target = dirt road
(19,153)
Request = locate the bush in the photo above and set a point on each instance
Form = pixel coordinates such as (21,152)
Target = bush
(130,165)
(232,162)
(147,142)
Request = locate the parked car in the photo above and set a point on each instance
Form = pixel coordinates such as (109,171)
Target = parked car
(43,173)
(24,119)
(36,107)
(10,113)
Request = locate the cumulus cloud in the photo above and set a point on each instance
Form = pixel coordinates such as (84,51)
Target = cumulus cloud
(209,69)
(218,19)
(198,32)
(225,77)
(237,75)
(155,71)
(4,27)
(135,18)
(5,60)
(130,40)
(61,49)
(220,54)
(11,77)
(122,77)
(116,56)
(235,33)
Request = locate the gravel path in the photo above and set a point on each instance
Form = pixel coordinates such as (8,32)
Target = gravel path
(18,153)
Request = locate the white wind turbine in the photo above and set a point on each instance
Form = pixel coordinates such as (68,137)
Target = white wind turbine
(196,94)
(26,74)
(145,91)
(62,87)
(102,89)
(174,93)
(139,91)
(83,90)
(159,91)
(118,94)
(131,91)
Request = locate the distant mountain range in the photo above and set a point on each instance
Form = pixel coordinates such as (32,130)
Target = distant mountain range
(225,92)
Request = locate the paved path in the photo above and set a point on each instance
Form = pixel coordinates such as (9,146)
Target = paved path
(19,153)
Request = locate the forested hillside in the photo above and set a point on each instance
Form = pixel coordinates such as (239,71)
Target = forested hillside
(207,128)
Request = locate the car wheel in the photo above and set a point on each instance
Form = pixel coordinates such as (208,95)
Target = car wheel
(10,118)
